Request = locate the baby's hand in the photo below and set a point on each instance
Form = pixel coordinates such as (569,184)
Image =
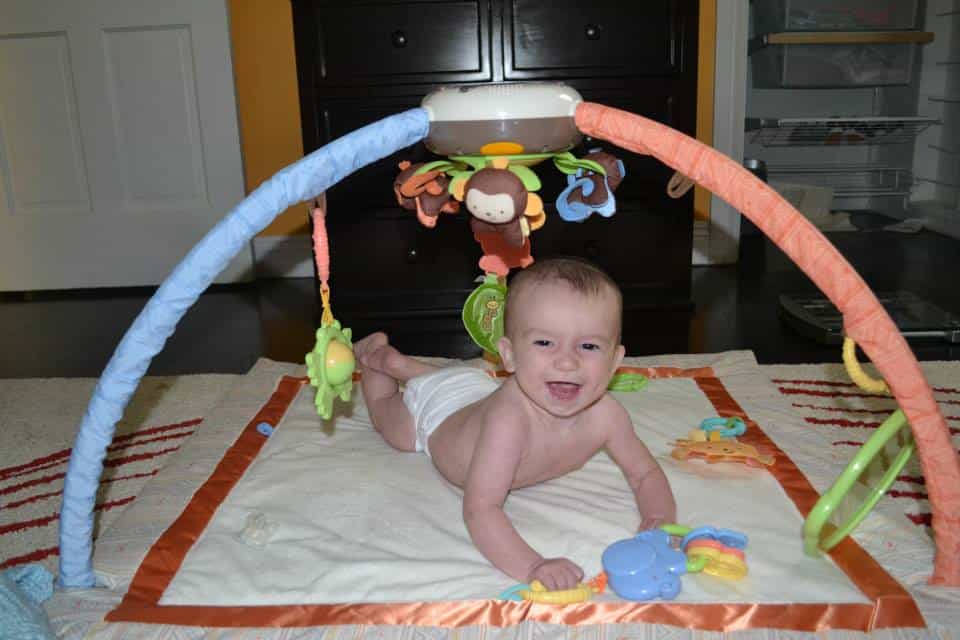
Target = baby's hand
(653,522)
(556,574)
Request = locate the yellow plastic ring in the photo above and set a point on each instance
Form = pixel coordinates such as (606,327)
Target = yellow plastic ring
(539,593)
(719,564)
(856,372)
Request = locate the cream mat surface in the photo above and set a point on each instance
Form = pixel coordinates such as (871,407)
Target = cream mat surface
(353,520)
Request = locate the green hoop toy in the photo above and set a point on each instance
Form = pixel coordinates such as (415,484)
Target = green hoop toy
(814,540)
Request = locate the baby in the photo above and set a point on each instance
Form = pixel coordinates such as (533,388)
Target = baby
(562,346)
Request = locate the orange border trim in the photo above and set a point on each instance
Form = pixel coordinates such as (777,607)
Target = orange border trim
(892,606)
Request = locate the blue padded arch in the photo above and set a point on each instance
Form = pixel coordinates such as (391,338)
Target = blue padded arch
(301,181)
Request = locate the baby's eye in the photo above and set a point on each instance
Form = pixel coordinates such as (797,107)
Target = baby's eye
(589,346)
(541,343)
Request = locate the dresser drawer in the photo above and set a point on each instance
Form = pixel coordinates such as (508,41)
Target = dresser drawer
(644,250)
(393,254)
(574,38)
(362,43)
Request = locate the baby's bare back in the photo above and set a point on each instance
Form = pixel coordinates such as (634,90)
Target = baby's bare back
(551,447)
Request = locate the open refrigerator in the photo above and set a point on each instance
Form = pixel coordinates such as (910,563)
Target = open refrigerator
(853,114)
(853,106)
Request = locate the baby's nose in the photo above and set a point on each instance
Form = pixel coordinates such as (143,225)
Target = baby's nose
(566,360)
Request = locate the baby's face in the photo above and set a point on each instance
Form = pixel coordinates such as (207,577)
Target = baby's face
(563,347)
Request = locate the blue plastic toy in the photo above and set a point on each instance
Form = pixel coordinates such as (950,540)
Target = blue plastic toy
(645,567)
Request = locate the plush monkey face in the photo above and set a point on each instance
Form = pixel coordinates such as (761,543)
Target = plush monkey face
(496,196)
(495,208)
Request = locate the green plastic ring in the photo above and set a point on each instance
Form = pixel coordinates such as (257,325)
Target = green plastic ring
(813,541)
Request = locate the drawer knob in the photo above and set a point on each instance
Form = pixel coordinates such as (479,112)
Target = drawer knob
(399,39)
(592,31)
(411,256)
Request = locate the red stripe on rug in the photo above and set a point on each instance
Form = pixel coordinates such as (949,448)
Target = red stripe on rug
(8,472)
(855,443)
(818,407)
(915,495)
(20,525)
(923,519)
(835,383)
(52,494)
(879,412)
(166,427)
(42,522)
(843,423)
(132,476)
(841,394)
(36,498)
(33,556)
(821,383)
(116,447)
(830,394)
(36,469)
(63,454)
(137,443)
(31,483)
(109,462)
(847,424)
(116,462)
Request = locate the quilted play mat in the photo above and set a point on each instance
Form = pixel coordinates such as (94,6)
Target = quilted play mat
(320,524)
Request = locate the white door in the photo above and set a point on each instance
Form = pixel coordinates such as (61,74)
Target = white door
(118,139)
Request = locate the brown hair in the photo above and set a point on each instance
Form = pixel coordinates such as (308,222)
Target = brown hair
(582,276)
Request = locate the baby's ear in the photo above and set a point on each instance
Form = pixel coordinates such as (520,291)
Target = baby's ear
(618,357)
(506,354)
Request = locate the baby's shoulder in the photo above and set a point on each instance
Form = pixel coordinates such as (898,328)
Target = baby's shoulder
(609,404)
(607,411)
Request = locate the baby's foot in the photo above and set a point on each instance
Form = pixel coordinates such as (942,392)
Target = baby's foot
(367,345)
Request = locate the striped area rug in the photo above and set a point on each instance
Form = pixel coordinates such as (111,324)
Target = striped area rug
(827,401)
(36,486)
(37,422)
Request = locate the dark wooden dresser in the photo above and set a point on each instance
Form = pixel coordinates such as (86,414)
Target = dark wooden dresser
(360,61)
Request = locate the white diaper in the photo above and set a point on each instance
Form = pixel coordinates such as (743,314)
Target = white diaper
(433,397)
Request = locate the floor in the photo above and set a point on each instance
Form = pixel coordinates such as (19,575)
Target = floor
(73,334)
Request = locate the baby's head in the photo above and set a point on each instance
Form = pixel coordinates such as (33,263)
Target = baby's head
(562,333)
(582,277)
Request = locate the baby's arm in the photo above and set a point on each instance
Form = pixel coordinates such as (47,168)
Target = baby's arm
(493,466)
(649,484)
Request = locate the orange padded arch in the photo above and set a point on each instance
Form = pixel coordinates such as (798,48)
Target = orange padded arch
(864,319)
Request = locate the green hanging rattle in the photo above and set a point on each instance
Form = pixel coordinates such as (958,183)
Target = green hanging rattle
(331,364)
(483,313)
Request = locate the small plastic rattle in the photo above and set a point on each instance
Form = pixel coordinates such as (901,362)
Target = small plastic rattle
(536,592)
(330,367)
(331,363)
(723,450)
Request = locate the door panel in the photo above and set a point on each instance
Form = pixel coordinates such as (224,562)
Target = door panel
(119,147)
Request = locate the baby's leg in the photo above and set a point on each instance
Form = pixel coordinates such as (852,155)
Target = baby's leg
(383,368)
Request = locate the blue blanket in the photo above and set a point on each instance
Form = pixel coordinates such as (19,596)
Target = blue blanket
(22,592)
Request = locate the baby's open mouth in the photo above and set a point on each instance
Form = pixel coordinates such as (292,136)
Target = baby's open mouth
(563,390)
